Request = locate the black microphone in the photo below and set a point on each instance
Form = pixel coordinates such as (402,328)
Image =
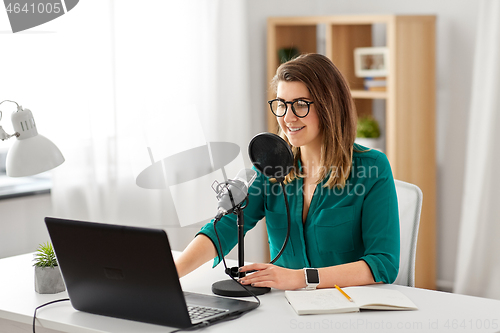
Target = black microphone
(272,156)
(232,196)
(233,192)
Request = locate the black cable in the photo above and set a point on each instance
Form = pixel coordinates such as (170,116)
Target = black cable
(192,328)
(41,306)
(289,225)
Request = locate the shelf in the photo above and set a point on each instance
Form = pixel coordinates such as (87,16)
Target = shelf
(369,94)
(409,100)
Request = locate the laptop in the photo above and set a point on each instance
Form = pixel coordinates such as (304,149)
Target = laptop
(129,272)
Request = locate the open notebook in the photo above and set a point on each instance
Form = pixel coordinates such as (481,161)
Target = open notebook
(323,301)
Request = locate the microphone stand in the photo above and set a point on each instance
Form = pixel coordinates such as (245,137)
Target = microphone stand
(280,162)
(231,287)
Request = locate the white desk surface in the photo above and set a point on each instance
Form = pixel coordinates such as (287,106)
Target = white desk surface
(438,311)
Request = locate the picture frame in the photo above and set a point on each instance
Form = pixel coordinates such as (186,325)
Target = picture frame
(371,61)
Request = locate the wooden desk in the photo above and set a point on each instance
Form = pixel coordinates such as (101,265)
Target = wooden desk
(438,311)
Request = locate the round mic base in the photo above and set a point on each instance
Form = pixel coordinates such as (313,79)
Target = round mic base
(232,288)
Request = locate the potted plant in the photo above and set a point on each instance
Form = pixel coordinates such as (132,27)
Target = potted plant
(368,133)
(287,53)
(48,278)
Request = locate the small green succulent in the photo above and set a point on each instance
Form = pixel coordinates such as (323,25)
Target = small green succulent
(367,127)
(287,53)
(45,256)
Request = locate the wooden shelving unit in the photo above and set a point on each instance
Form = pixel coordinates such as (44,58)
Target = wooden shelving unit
(409,97)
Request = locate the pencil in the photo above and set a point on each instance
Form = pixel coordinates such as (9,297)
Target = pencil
(343,293)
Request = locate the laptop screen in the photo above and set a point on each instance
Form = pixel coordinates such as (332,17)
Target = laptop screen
(119,271)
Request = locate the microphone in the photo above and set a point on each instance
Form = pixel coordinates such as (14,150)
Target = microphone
(272,156)
(233,192)
(232,196)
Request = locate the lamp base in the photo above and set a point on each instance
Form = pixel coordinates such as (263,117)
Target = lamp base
(232,288)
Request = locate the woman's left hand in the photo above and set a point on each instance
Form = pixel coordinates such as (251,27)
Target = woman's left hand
(268,275)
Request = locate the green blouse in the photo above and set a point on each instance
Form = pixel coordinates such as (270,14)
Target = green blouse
(357,222)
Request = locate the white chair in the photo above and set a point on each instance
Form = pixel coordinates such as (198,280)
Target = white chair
(409,205)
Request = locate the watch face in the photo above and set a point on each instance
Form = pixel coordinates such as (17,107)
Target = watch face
(312,276)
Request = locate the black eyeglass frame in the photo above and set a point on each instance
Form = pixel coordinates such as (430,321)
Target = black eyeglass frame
(292,105)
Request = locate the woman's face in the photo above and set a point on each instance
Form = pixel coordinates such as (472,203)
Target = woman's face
(301,132)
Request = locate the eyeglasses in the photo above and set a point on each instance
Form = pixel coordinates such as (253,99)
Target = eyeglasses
(300,108)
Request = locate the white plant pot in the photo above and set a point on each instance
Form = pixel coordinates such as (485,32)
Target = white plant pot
(48,280)
(371,143)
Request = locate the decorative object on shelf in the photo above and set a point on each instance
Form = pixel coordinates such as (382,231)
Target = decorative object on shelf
(375,83)
(31,153)
(368,133)
(371,61)
(48,278)
(287,53)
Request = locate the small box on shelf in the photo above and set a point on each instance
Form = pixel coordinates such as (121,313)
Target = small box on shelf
(375,83)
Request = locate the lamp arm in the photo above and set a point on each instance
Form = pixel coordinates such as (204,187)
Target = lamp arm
(3,135)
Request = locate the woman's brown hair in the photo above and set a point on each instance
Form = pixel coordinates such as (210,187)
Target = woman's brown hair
(336,111)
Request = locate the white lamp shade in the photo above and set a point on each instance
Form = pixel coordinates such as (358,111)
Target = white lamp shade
(31,156)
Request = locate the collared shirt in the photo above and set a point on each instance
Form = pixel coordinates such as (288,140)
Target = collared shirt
(357,222)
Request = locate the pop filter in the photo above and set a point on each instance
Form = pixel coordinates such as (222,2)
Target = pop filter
(271,155)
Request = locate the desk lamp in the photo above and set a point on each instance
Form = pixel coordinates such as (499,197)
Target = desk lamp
(31,153)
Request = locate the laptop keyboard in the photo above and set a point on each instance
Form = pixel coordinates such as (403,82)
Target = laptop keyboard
(201,312)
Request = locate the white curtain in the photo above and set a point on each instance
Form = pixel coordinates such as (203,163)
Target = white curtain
(478,263)
(169,75)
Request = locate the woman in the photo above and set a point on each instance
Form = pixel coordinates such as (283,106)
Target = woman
(342,197)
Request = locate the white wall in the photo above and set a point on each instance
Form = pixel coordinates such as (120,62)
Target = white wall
(456,27)
(22,226)
(455,47)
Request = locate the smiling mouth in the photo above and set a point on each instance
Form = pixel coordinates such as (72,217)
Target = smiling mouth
(296,129)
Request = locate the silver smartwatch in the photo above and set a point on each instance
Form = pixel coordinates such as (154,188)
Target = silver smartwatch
(312,278)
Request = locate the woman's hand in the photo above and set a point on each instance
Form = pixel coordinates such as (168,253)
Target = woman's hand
(268,275)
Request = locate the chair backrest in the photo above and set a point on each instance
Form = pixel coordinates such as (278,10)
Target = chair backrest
(409,205)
